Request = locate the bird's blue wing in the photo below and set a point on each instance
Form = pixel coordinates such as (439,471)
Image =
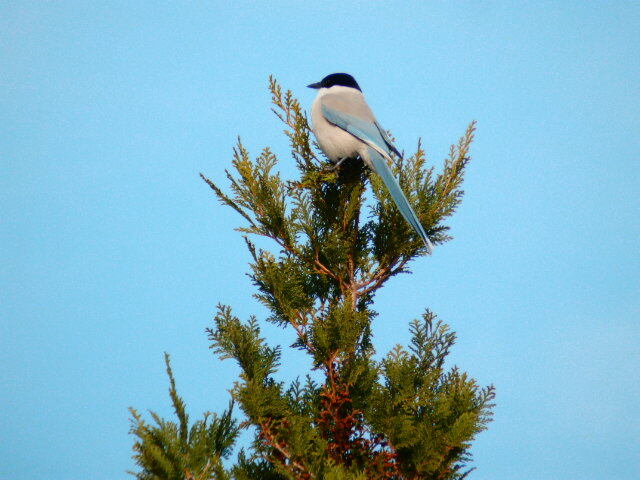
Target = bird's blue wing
(364,130)
(387,140)
(378,150)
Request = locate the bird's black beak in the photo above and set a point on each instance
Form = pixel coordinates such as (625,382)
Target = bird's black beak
(315,85)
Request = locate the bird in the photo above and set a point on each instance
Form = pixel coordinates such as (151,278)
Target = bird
(345,127)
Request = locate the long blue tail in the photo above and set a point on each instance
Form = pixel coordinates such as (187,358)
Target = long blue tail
(379,165)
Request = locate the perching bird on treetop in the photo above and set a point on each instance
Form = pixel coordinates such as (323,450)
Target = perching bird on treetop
(345,127)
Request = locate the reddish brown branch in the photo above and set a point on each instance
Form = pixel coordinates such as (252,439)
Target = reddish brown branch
(349,441)
(381,276)
(286,460)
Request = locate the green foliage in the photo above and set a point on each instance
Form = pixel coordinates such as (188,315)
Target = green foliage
(428,414)
(261,396)
(175,451)
(407,416)
(252,469)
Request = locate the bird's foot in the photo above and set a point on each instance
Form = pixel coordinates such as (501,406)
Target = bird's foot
(335,167)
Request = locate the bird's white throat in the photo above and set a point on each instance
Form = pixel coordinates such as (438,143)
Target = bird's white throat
(337,89)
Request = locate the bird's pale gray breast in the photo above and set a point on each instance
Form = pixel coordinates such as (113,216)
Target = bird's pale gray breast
(334,141)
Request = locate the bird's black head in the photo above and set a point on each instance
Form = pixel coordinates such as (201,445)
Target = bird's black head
(339,79)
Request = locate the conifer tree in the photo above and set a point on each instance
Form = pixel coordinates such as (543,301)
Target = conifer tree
(407,416)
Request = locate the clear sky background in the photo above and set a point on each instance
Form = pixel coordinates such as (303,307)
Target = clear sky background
(113,250)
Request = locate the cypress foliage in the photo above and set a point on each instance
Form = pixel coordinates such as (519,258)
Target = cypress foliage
(177,451)
(407,416)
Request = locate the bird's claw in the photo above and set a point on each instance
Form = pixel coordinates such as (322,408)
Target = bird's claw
(335,167)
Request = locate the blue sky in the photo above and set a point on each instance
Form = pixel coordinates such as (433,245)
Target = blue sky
(113,251)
